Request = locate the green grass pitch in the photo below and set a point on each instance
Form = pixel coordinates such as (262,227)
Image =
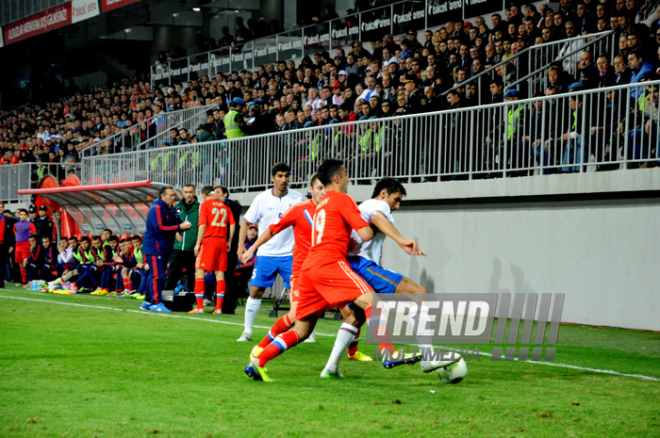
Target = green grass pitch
(103,369)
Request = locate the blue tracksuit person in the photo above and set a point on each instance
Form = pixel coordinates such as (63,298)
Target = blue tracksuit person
(163,222)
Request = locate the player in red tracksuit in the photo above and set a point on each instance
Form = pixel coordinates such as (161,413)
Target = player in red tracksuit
(213,243)
(23,229)
(326,279)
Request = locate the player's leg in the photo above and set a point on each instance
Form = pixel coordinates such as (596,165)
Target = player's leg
(283,323)
(353,352)
(220,266)
(346,334)
(157,282)
(106,276)
(407,286)
(147,278)
(199,290)
(220,288)
(263,276)
(285,341)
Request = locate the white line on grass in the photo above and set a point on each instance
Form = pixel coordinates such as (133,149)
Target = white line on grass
(194,318)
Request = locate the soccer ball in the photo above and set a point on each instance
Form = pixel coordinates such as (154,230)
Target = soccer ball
(453,373)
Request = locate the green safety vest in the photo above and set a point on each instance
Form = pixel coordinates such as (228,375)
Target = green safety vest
(314,146)
(368,138)
(155,164)
(42,171)
(188,155)
(381,137)
(137,252)
(231,129)
(511,121)
(88,254)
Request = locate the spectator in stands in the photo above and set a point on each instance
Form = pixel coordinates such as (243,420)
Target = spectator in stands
(587,72)
(639,67)
(607,77)
(622,72)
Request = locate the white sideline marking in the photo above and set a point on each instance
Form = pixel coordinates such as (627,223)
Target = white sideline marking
(194,318)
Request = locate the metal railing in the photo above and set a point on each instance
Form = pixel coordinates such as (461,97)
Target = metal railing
(525,69)
(600,129)
(141,133)
(396,18)
(29,175)
(569,54)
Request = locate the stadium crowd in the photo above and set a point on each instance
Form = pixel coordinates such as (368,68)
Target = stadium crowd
(356,84)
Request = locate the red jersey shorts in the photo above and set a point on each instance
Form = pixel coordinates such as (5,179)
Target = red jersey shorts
(329,286)
(21,251)
(212,255)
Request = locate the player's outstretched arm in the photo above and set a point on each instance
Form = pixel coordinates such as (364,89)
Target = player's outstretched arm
(241,238)
(384,225)
(265,237)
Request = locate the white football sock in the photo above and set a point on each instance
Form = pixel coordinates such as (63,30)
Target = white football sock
(345,336)
(251,309)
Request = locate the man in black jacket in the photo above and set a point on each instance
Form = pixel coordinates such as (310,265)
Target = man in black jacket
(229,303)
(43,224)
(7,243)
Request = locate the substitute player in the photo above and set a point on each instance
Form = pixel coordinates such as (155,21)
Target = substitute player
(213,243)
(275,256)
(23,229)
(299,217)
(326,279)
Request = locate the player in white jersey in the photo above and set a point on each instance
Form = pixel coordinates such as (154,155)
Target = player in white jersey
(364,257)
(275,256)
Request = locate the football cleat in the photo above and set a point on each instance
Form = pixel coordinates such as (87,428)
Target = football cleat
(72,287)
(63,292)
(360,356)
(257,373)
(217,312)
(138,296)
(329,374)
(97,292)
(197,310)
(145,306)
(256,351)
(245,337)
(160,307)
(408,359)
(311,338)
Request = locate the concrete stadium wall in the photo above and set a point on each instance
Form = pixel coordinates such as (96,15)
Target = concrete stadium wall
(593,237)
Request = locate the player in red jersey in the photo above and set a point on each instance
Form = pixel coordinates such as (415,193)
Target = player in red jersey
(213,242)
(326,280)
(299,217)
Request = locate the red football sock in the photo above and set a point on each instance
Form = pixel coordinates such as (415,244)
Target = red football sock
(377,325)
(199,292)
(220,287)
(281,325)
(279,345)
(127,284)
(353,346)
(23,274)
